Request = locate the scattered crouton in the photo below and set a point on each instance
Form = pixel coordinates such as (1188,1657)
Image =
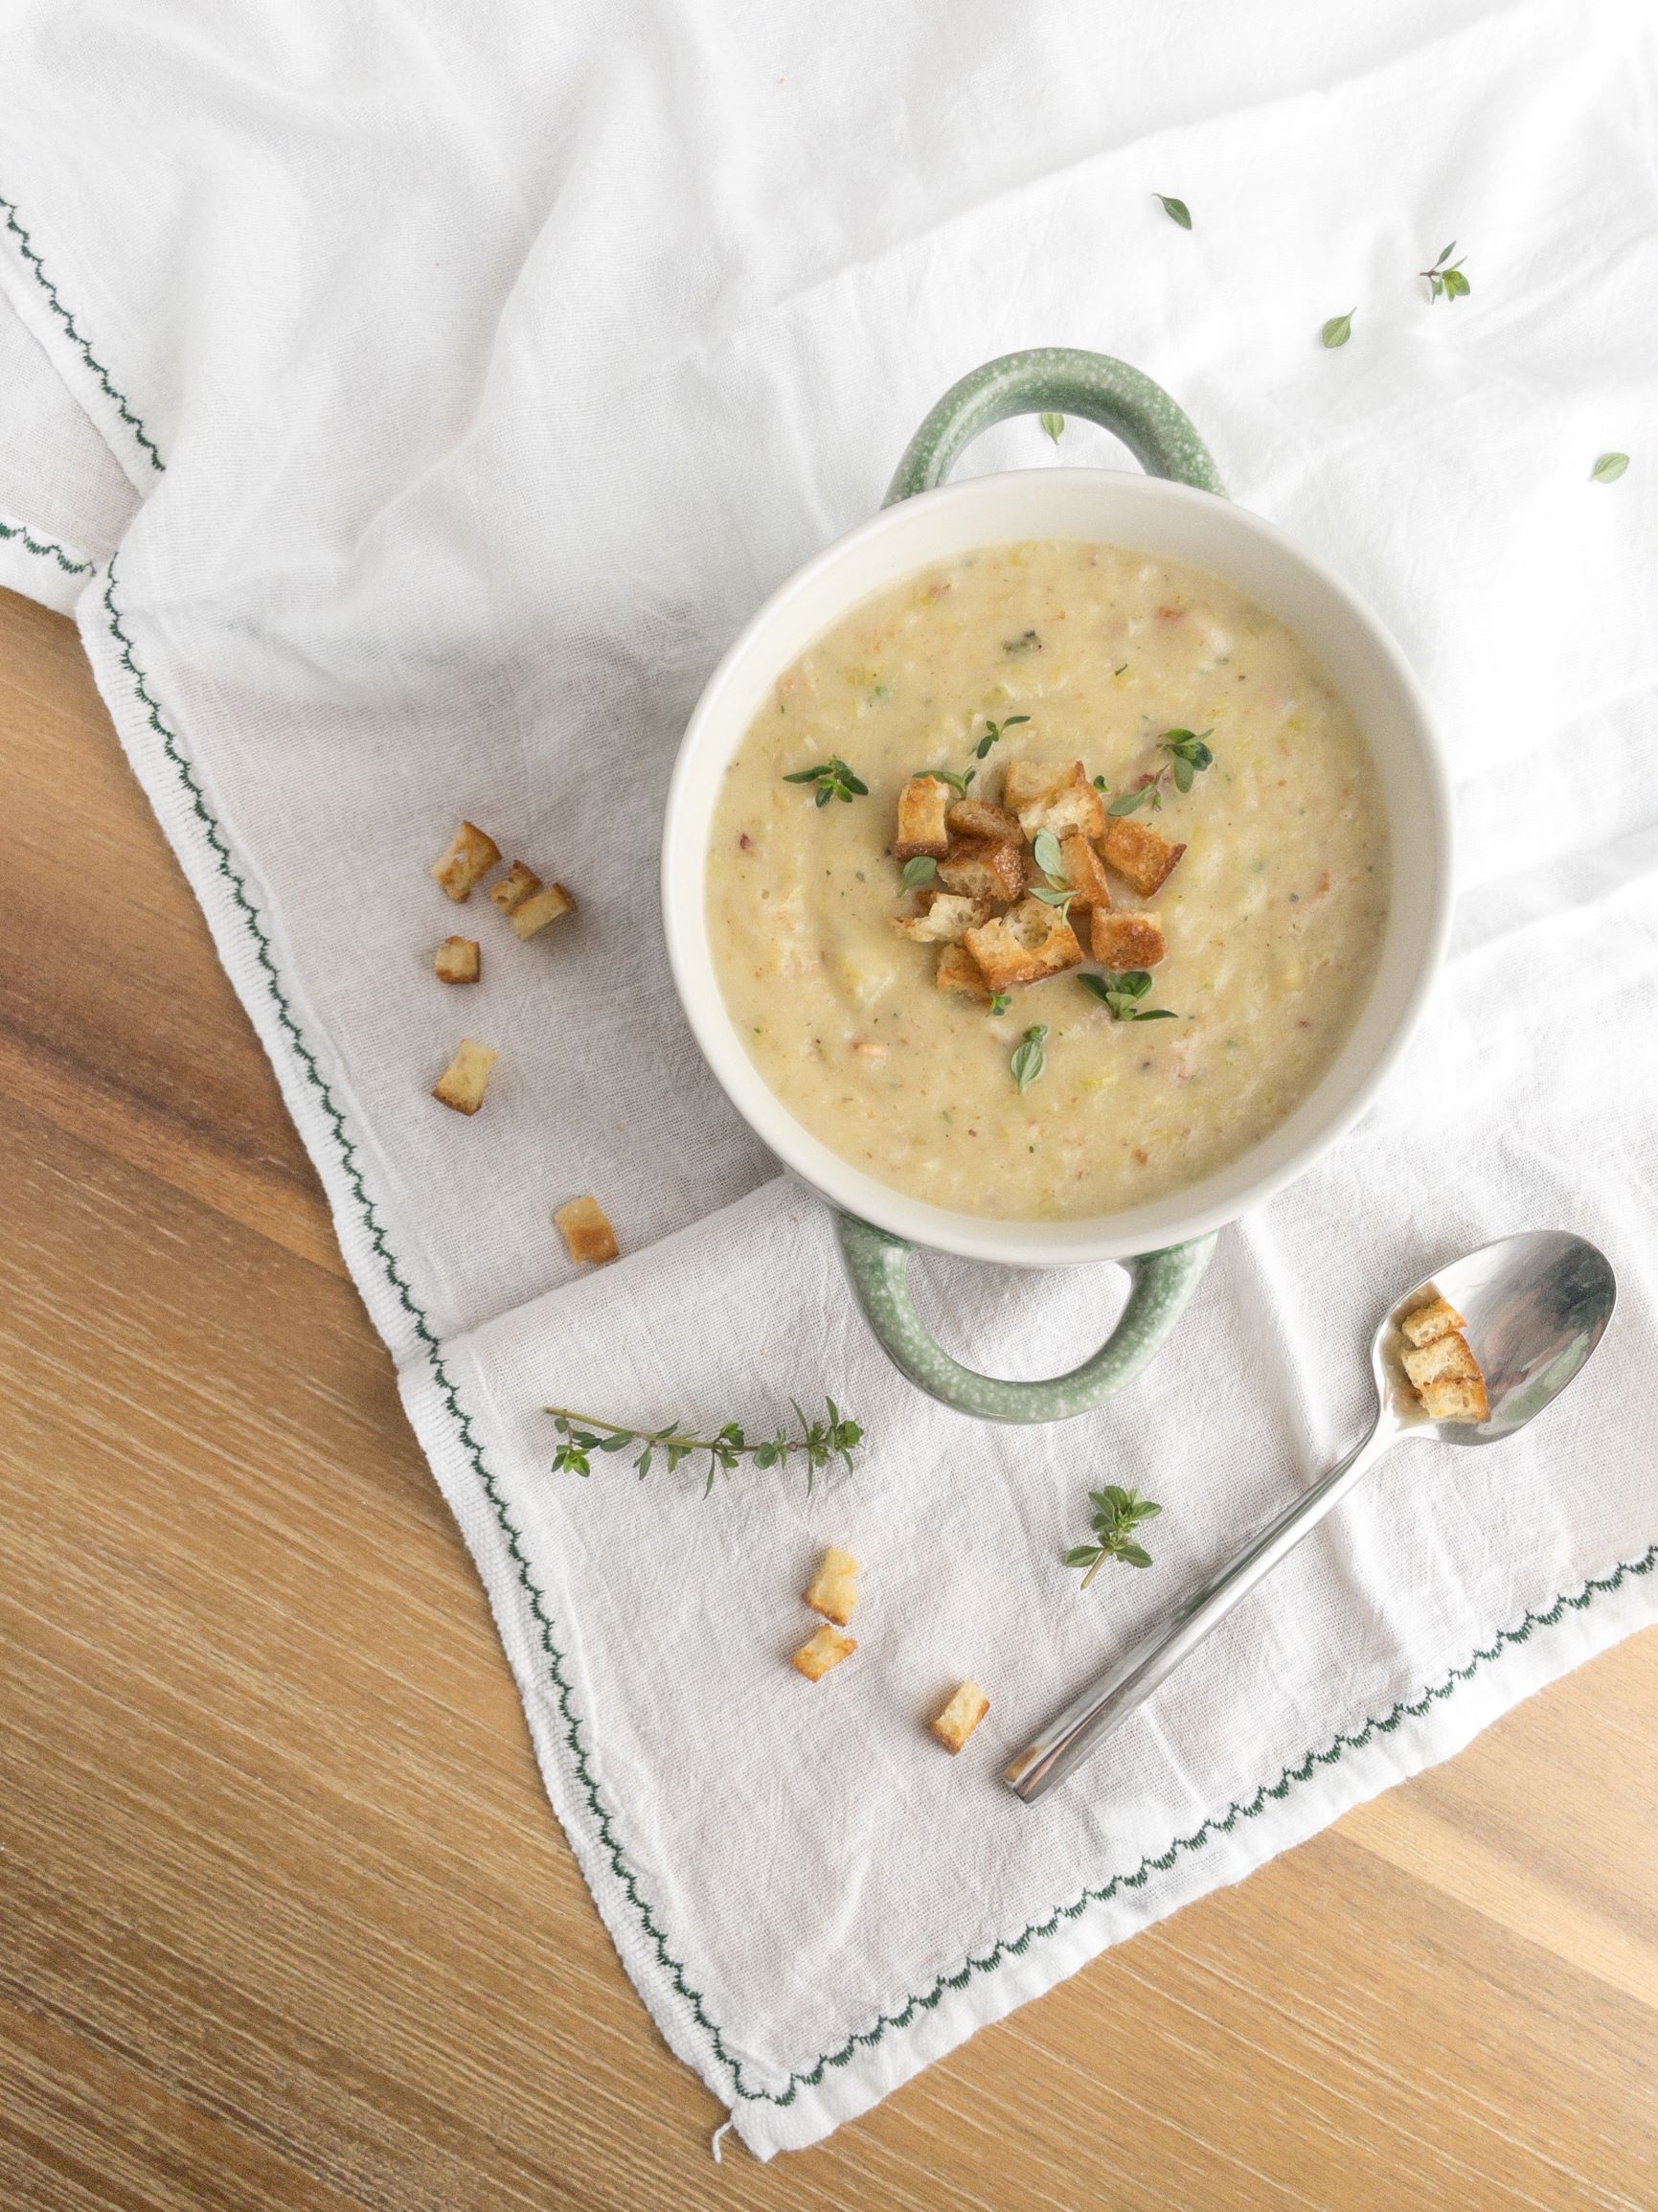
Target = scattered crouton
(1069,806)
(1034,941)
(833,1591)
(978,818)
(945,920)
(1143,858)
(960,1717)
(464,1081)
(960,973)
(1457,1398)
(1126,941)
(1025,782)
(1085,873)
(923,819)
(587,1234)
(541,907)
(514,887)
(471,855)
(1448,1359)
(1437,1319)
(459,961)
(984,868)
(825,1649)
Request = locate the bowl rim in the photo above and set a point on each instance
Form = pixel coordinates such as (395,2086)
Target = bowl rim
(1030,1242)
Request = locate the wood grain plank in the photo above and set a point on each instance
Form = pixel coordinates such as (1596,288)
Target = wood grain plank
(285,1919)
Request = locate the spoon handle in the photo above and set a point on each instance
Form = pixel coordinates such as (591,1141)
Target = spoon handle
(1077,1732)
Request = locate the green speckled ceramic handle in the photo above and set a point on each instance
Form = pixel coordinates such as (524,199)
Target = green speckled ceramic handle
(880,1267)
(1059,380)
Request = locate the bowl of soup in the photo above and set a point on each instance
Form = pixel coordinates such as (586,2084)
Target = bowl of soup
(1055,865)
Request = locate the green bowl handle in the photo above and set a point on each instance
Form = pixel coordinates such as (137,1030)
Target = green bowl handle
(1059,380)
(880,1267)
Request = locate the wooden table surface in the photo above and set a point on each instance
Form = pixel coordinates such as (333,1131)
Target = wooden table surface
(285,1917)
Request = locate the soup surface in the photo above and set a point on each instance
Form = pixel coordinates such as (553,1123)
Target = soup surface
(1272,916)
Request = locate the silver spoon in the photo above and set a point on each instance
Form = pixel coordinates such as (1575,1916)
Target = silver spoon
(1535,1306)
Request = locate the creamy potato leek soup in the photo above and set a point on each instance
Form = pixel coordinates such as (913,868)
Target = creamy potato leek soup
(1049,881)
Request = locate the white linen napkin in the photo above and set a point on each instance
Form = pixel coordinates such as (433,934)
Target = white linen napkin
(416,408)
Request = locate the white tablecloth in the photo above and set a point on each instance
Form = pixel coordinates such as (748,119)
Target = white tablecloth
(410,405)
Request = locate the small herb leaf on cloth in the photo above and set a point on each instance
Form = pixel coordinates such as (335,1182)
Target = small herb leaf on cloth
(1054,425)
(1027,1063)
(1610,468)
(834,779)
(1338,330)
(833,1437)
(1176,210)
(1117,1514)
(1446,283)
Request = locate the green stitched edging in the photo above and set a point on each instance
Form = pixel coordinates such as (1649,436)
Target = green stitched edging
(37,266)
(47,550)
(1221,1824)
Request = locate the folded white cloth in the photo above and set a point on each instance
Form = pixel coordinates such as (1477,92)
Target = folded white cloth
(452,391)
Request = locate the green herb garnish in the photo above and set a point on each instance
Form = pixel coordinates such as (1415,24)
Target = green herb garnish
(1150,787)
(920,869)
(834,1437)
(1117,1514)
(995,731)
(1610,468)
(1189,753)
(1000,1004)
(1176,210)
(1122,994)
(1338,330)
(950,777)
(1054,425)
(834,779)
(1028,1056)
(1060,890)
(1447,284)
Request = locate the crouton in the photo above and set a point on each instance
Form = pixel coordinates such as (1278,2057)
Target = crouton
(960,1717)
(471,855)
(1143,859)
(1123,941)
(960,972)
(1025,781)
(923,819)
(1457,1398)
(825,1649)
(978,818)
(514,887)
(833,1591)
(1437,1319)
(459,961)
(945,920)
(586,1231)
(1085,874)
(1069,807)
(984,868)
(1034,941)
(464,1081)
(541,907)
(1448,1359)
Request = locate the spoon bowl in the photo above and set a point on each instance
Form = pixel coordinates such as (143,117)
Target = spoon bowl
(1533,1308)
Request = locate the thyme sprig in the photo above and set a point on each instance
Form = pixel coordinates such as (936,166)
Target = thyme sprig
(834,779)
(995,732)
(1122,994)
(1059,890)
(1117,1514)
(1446,283)
(1176,210)
(957,783)
(1026,1061)
(1188,753)
(582,1435)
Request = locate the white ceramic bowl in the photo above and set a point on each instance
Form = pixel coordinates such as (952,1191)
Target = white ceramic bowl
(1173,522)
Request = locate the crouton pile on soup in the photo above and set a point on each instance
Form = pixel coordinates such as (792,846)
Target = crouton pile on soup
(1049,881)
